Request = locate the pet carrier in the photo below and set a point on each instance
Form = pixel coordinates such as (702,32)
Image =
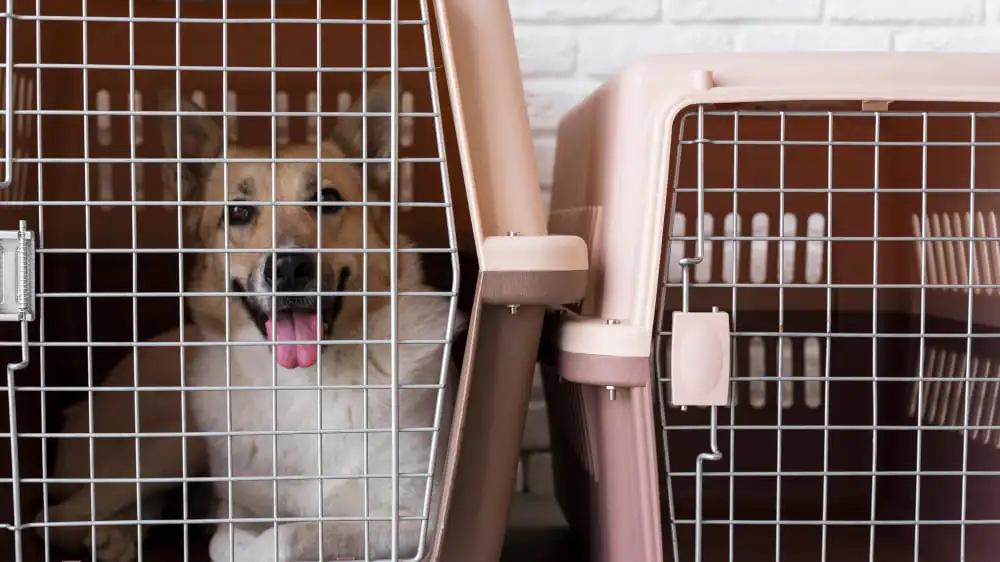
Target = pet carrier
(107,104)
(785,351)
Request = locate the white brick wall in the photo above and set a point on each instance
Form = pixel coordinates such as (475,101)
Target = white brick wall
(568,46)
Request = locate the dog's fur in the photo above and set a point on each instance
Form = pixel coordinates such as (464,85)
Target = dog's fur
(339,453)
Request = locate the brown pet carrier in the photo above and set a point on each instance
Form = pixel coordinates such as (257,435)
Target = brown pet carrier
(101,238)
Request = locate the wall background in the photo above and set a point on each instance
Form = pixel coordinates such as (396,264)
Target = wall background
(568,47)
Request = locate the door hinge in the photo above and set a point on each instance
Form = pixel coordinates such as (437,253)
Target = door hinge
(17,274)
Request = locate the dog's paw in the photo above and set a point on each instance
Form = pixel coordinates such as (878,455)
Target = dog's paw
(112,544)
(242,544)
(66,537)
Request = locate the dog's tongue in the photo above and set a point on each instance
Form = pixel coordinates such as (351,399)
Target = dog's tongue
(294,326)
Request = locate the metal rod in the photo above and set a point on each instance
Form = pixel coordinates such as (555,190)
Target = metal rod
(15,459)
(8,95)
(394,265)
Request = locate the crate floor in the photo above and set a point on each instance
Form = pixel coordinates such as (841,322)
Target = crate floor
(537,532)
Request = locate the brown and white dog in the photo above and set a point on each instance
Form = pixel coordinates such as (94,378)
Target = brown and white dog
(326,437)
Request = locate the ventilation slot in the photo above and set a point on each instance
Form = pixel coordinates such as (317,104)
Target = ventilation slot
(984,269)
(939,252)
(787,358)
(731,248)
(406,122)
(815,249)
(813,387)
(949,250)
(944,254)
(105,177)
(21,94)
(232,121)
(103,119)
(758,387)
(993,253)
(939,397)
(281,122)
(806,376)
(703,271)
(676,252)
(137,120)
(961,273)
(735,383)
(935,366)
(758,248)
(406,139)
(23,99)
(312,121)
(990,409)
(978,390)
(789,229)
(137,167)
(926,253)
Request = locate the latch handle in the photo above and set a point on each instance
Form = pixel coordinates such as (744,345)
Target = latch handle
(700,359)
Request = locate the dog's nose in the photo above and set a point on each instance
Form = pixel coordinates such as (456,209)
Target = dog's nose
(294,272)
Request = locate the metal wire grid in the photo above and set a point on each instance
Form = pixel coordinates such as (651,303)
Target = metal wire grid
(38,112)
(944,385)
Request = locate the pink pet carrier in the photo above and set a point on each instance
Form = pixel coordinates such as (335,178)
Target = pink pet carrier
(786,350)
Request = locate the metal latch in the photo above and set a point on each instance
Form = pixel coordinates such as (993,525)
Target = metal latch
(700,352)
(700,341)
(17,274)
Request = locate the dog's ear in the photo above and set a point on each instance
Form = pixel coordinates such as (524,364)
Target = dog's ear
(348,134)
(201,137)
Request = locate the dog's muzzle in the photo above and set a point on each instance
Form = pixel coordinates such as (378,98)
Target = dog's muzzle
(298,321)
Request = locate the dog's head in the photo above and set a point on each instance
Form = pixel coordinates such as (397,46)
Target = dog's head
(273,247)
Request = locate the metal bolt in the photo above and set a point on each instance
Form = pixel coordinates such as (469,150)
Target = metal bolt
(612,392)
(613,321)
(512,233)
(513,309)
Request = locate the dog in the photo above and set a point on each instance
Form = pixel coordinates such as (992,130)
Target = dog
(275,442)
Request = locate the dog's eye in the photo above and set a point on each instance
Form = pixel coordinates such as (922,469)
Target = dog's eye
(329,199)
(241,214)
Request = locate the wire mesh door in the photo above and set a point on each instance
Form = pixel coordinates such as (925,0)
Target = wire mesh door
(236,353)
(855,248)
